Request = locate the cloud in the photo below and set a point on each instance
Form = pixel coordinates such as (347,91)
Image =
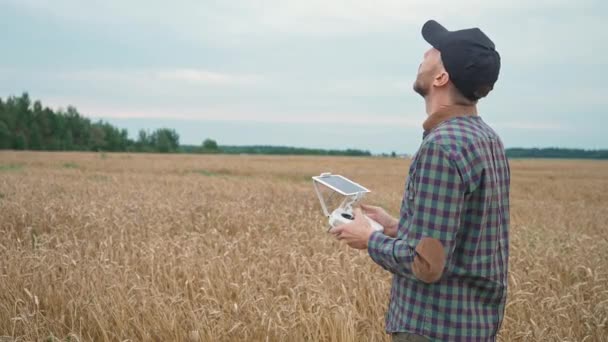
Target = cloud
(219,114)
(121,76)
(196,18)
(237,113)
(245,113)
(199,76)
(531,126)
(207,77)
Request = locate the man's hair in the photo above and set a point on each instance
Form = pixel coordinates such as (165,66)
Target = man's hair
(460,99)
(480,93)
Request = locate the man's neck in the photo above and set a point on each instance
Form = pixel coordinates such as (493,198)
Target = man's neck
(438,113)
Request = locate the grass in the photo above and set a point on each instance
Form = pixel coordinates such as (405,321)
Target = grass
(98,178)
(192,256)
(11,167)
(211,173)
(70,165)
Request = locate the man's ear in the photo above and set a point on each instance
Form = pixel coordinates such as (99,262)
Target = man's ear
(441,79)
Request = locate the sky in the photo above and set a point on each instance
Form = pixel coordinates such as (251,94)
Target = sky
(314,73)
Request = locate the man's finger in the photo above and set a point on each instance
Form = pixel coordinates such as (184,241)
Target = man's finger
(337,230)
(358,214)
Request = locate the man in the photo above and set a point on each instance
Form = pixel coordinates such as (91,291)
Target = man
(449,249)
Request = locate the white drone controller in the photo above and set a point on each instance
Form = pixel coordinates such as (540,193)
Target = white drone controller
(341,216)
(353,193)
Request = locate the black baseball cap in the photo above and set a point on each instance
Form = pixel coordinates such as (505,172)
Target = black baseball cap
(469,57)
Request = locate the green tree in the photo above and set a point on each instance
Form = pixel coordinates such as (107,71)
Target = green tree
(20,142)
(112,137)
(164,140)
(142,137)
(210,145)
(5,136)
(37,107)
(35,137)
(27,124)
(143,141)
(98,138)
(162,143)
(69,141)
(24,103)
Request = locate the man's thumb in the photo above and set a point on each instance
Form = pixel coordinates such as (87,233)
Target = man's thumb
(336,230)
(358,213)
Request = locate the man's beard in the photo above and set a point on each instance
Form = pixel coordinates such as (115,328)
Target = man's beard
(420,88)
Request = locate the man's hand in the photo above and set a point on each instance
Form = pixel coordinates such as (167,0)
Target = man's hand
(379,215)
(357,233)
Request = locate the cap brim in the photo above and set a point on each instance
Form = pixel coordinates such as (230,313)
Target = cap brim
(433,32)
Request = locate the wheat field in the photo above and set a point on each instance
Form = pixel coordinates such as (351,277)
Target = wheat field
(146,247)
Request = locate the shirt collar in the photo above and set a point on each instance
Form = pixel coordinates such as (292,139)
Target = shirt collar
(444,114)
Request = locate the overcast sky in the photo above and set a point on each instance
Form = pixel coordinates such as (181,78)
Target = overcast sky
(312,73)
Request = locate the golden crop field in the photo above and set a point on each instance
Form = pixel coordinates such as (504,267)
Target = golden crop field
(147,247)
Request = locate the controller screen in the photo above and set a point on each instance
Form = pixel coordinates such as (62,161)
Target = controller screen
(342,184)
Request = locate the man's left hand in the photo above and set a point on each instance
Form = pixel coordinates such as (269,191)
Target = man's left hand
(357,233)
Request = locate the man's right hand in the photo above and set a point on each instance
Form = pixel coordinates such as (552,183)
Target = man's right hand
(379,215)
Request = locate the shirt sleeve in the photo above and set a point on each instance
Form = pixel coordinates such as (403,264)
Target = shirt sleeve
(434,205)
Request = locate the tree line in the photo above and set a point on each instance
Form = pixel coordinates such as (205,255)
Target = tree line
(30,126)
(554,152)
(210,146)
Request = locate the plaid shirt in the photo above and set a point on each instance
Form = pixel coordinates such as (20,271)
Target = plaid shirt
(457,192)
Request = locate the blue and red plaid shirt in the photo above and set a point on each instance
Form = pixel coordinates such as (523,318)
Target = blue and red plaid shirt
(457,193)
